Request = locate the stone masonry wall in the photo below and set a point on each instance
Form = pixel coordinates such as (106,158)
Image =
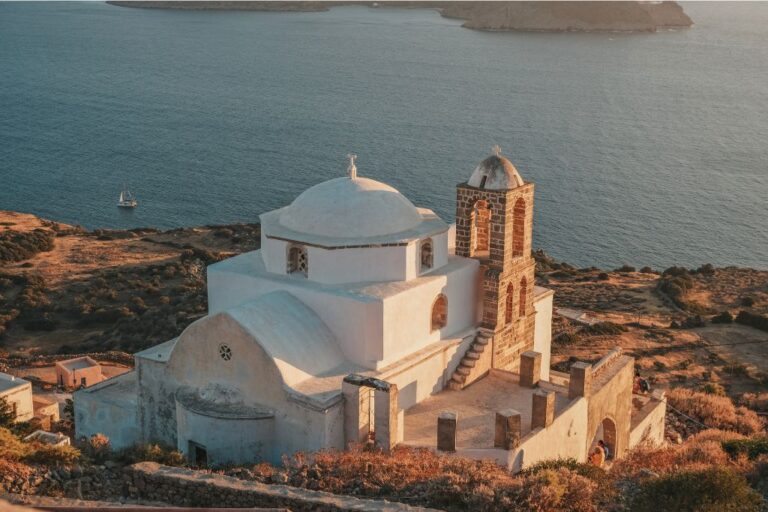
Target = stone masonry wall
(502,267)
(183,487)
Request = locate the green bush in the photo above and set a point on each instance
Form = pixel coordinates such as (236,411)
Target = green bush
(586,470)
(625,269)
(713,388)
(17,246)
(152,453)
(710,490)
(41,453)
(752,320)
(748,301)
(723,318)
(604,328)
(752,448)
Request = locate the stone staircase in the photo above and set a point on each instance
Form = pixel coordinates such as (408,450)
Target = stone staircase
(474,365)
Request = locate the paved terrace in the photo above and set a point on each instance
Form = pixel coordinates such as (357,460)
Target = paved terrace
(476,406)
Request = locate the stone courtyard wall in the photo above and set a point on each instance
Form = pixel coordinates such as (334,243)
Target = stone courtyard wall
(183,487)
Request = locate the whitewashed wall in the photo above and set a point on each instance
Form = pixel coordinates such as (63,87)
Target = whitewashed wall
(542,335)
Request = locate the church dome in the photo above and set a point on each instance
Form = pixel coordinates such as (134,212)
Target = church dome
(495,173)
(350,207)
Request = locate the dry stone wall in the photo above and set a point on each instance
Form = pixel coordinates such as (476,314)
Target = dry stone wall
(150,481)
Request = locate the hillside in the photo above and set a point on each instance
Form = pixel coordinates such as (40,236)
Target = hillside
(65,289)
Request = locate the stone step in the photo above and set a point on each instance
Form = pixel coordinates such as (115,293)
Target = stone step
(472,355)
(455,385)
(479,340)
(476,347)
(463,370)
(459,378)
(469,363)
(476,350)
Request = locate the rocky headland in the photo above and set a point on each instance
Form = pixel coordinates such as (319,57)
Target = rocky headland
(556,16)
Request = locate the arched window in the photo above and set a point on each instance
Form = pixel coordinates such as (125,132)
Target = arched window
(298,263)
(523,296)
(509,307)
(427,258)
(480,233)
(518,228)
(439,312)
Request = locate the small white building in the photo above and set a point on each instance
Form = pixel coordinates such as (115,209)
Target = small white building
(353,285)
(18,393)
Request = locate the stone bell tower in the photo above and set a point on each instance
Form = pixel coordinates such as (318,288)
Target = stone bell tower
(494,224)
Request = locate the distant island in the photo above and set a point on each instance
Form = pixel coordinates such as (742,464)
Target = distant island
(484,15)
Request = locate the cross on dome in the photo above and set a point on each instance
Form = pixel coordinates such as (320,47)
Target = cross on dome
(496,150)
(352,169)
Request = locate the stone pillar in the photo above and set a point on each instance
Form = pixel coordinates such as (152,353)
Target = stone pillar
(357,403)
(581,380)
(508,429)
(530,369)
(446,431)
(385,417)
(543,410)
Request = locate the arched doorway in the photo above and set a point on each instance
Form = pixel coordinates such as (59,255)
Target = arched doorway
(606,432)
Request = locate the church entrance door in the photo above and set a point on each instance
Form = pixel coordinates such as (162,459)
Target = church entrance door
(198,454)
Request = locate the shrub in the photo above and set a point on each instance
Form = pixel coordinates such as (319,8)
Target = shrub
(41,453)
(97,447)
(11,447)
(752,320)
(715,411)
(647,270)
(567,338)
(713,388)
(603,276)
(624,269)
(710,490)
(586,470)
(748,301)
(7,417)
(723,318)
(17,246)
(152,453)
(692,322)
(752,448)
(707,270)
(605,328)
(557,489)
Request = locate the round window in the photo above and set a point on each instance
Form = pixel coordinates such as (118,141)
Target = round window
(225,352)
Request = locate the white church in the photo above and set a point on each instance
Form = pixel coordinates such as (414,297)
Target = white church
(360,310)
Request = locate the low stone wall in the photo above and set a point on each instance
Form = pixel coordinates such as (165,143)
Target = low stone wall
(47,360)
(183,487)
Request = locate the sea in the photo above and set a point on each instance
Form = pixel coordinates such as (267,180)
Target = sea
(646,149)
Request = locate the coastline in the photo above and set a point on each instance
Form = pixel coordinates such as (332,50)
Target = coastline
(554,16)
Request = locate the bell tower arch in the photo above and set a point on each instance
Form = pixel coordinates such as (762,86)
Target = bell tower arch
(494,224)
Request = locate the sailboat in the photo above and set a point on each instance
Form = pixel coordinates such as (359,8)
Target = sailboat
(127,199)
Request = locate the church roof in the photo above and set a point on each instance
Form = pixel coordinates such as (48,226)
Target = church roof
(349,212)
(350,207)
(495,173)
(297,340)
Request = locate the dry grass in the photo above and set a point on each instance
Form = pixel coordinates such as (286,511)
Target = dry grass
(715,411)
